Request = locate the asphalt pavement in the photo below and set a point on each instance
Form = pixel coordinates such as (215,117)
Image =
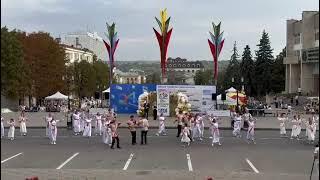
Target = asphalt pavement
(77,157)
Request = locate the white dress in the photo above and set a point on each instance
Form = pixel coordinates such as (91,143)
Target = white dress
(201,127)
(23,127)
(296,127)
(87,127)
(311,130)
(282,125)
(76,123)
(98,124)
(53,130)
(185,138)
(162,129)
(215,132)
(2,128)
(47,121)
(107,135)
(82,121)
(237,126)
(250,132)
(196,132)
(11,130)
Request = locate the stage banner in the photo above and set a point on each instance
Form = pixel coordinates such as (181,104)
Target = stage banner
(124,97)
(219,113)
(200,97)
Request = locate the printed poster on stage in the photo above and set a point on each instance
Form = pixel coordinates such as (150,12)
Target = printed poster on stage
(200,97)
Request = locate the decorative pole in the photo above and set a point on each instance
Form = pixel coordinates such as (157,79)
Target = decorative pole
(163,40)
(112,36)
(215,48)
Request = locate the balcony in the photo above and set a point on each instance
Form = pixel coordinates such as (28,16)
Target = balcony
(291,60)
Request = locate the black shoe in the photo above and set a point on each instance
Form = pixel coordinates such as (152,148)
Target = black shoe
(112,147)
(119,147)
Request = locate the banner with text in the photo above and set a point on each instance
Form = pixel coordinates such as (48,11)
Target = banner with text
(199,97)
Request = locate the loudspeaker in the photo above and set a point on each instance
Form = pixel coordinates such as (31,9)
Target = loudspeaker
(214,97)
(97,95)
(106,95)
(223,97)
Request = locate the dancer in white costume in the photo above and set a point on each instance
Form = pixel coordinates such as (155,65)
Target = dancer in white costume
(185,135)
(196,129)
(282,121)
(2,128)
(106,134)
(76,123)
(162,127)
(11,129)
(250,132)
(201,123)
(237,126)
(98,124)
(82,120)
(296,127)
(311,130)
(87,126)
(215,131)
(47,120)
(22,121)
(53,131)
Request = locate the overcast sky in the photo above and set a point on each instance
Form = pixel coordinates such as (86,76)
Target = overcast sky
(242,20)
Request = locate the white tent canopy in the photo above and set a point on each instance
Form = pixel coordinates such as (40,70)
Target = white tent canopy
(57,95)
(228,101)
(232,89)
(107,90)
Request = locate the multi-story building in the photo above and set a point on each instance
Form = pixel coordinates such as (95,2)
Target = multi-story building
(131,77)
(74,54)
(302,61)
(183,68)
(88,40)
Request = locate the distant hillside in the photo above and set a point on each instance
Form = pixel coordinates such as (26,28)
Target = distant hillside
(152,66)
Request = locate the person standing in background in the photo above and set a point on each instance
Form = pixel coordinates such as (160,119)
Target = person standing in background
(144,130)
(2,128)
(155,112)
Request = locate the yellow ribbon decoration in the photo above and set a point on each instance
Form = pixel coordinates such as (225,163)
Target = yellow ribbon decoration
(163,15)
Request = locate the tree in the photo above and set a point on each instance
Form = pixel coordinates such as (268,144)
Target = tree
(263,65)
(11,63)
(204,77)
(101,74)
(278,73)
(246,69)
(46,61)
(233,70)
(84,78)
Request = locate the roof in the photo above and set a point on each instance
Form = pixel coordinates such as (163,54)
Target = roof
(183,63)
(72,47)
(57,95)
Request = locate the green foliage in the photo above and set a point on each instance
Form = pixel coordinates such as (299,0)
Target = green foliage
(247,70)
(263,66)
(204,77)
(11,63)
(278,73)
(233,70)
(153,78)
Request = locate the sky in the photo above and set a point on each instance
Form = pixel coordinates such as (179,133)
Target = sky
(241,20)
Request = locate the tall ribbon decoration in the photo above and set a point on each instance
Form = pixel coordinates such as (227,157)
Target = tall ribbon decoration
(216,45)
(113,39)
(163,39)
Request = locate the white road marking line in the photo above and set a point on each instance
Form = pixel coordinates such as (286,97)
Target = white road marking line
(128,162)
(11,157)
(252,166)
(69,159)
(189,162)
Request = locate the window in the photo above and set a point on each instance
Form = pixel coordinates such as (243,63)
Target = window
(68,56)
(184,65)
(192,71)
(188,65)
(297,53)
(188,70)
(198,65)
(317,35)
(179,65)
(76,56)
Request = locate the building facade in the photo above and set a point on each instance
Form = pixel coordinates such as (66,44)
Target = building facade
(185,70)
(302,55)
(76,54)
(88,40)
(131,77)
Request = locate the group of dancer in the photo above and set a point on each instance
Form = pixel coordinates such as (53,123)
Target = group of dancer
(297,122)
(23,127)
(190,127)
